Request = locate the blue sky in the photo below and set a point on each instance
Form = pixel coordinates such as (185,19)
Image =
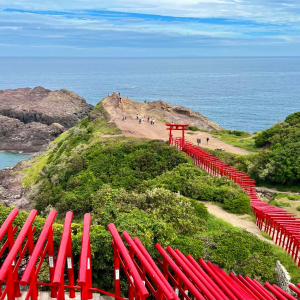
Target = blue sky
(149,28)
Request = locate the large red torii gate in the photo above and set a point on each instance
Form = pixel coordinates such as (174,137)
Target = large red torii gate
(170,127)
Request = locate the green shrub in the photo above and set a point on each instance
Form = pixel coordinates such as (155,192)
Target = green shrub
(273,202)
(244,253)
(196,184)
(195,128)
(72,183)
(200,209)
(180,212)
(280,196)
(293,119)
(239,205)
(294,197)
(284,204)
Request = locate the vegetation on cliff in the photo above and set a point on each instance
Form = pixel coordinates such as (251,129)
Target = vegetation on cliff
(276,160)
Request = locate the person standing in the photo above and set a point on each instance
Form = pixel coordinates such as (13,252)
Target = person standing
(207,139)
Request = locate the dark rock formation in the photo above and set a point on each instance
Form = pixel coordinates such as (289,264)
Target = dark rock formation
(31,118)
(12,193)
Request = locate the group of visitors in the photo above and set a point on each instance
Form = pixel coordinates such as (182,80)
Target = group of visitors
(141,120)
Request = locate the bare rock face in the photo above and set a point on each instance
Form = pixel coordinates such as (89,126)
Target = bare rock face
(31,118)
(160,110)
(11,191)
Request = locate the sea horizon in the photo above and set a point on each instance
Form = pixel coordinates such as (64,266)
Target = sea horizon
(248,93)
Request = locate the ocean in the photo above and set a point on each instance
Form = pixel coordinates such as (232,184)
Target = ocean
(249,93)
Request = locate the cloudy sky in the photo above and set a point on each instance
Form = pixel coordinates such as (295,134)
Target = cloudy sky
(149,28)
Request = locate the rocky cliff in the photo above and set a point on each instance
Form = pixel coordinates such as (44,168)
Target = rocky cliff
(158,109)
(31,118)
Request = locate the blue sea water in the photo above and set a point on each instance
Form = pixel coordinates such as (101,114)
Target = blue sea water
(8,159)
(248,93)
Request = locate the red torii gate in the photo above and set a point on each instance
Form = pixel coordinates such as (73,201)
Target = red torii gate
(182,127)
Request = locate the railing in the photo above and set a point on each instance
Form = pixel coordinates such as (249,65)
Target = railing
(65,255)
(163,289)
(137,289)
(8,229)
(154,266)
(180,281)
(31,272)
(175,277)
(9,269)
(85,268)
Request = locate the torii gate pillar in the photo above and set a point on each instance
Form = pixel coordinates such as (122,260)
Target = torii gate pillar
(182,127)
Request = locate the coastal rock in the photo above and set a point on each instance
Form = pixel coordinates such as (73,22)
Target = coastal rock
(32,137)
(160,110)
(31,118)
(12,193)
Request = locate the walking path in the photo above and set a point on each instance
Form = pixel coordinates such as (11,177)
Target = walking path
(235,220)
(132,128)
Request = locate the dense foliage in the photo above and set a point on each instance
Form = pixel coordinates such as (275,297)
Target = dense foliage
(279,164)
(194,183)
(72,177)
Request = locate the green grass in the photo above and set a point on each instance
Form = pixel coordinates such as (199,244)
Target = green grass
(34,171)
(266,235)
(294,197)
(284,204)
(195,128)
(241,141)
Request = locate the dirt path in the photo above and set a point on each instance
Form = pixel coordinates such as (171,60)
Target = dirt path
(238,221)
(132,128)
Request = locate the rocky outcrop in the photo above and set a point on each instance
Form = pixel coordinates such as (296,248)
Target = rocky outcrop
(12,193)
(31,118)
(160,110)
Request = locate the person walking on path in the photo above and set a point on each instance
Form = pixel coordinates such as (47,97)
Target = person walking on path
(140,121)
(137,116)
(153,121)
(207,139)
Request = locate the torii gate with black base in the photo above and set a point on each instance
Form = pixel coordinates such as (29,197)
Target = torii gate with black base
(170,127)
